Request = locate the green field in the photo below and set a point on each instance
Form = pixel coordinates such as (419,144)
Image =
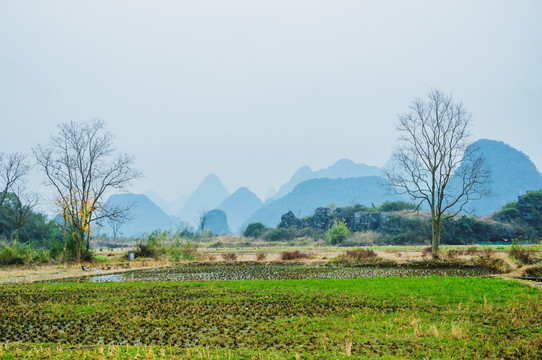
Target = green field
(433,317)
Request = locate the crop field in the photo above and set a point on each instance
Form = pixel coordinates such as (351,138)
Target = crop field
(382,317)
(255,271)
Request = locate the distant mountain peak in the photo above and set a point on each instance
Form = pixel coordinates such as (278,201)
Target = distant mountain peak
(207,196)
(239,206)
(342,168)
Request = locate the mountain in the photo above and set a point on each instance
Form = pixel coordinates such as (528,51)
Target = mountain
(343,168)
(169,207)
(144,216)
(513,174)
(239,206)
(216,222)
(314,193)
(209,194)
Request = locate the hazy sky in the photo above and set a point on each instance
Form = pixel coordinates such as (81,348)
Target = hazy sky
(252,90)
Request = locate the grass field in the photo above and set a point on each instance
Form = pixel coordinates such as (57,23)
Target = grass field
(433,317)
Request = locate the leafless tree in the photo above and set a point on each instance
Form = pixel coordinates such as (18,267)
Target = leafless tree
(21,205)
(81,163)
(116,222)
(434,163)
(13,167)
(201,219)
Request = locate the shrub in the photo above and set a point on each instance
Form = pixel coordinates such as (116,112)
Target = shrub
(452,253)
(487,253)
(254,230)
(520,253)
(261,256)
(293,255)
(183,251)
(338,233)
(279,234)
(428,251)
(152,246)
(9,257)
(396,206)
(229,256)
(360,254)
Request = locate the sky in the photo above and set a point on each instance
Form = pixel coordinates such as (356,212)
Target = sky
(252,90)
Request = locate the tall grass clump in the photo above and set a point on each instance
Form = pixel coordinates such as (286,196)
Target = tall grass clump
(295,255)
(521,253)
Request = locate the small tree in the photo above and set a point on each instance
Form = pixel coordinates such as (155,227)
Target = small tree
(80,163)
(254,230)
(338,233)
(13,167)
(434,163)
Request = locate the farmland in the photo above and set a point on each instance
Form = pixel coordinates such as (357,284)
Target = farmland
(391,317)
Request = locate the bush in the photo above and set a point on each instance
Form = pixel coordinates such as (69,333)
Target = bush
(472,250)
(520,253)
(261,256)
(279,234)
(293,255)
(229,256)
(19,254)
(487,253)
(360,254)
(338,233)
(428,251)
(388,206)
(452,253)
(254,230)
(186,251)
(152,246)
(9,257)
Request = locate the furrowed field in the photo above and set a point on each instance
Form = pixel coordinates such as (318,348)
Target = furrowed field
(425,317)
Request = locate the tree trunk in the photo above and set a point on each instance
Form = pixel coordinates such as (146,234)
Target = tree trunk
(436,223)
(80,242)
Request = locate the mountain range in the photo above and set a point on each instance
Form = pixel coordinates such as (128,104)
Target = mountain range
(315,193)
(343,168)
(144,216)
(343,183)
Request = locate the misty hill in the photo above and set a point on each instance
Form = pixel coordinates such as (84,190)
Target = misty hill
(209,194)
(216,222)
(315,193)
(513,174)
(343,168)
(144,216)
(169,207)
(239,206)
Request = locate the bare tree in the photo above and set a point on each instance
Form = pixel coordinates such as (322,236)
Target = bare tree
(81,163)
(115,222)
(21,205)
(12,168)
(434,163)
(201,219)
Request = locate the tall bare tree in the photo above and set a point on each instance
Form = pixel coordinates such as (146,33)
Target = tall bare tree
(21,204)
(13,167)
(81,163)
(434,163)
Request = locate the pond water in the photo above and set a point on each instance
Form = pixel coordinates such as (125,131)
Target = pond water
(276,272)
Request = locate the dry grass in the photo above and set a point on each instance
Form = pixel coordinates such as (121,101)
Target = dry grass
(229,256)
